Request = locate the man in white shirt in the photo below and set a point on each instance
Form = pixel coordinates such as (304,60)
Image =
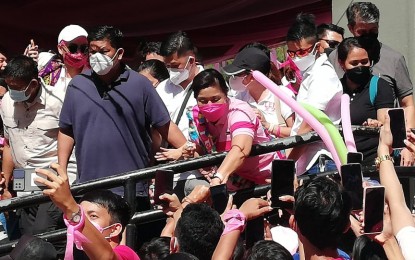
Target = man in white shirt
(180,57)
(320,88)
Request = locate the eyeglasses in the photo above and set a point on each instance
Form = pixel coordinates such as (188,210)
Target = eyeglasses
(301,52)
(331,43)
(73,48)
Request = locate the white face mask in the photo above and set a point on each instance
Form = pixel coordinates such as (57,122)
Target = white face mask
(236,83)
(177,76)
(305,62)
(101,63)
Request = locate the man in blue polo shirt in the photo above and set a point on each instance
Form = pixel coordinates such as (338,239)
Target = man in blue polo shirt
(108,113)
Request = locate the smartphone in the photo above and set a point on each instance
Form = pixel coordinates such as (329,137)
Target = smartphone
(254,231)
(220,196)
(354,157)
(413,130)
(373,208)
(282,182)
(163,184)
(352,181)
(397,125)
(24,179)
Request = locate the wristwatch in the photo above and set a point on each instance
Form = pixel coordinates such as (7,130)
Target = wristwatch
(382,158)
(75,217)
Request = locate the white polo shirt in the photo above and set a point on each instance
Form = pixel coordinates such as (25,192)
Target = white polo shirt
(173,97)
(322,89)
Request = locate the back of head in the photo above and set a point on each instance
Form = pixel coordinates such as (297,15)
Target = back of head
(198,230)
(157,248)
(268,250)
(321,211)
(366,249)
(366,12)
(110,33)
(303,28)
(21,67)
(32,248)
(177,42)
(156,68)
(324,27)
(117,207)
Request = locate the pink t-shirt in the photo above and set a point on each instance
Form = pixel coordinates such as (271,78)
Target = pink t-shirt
(125,253)
(241,119)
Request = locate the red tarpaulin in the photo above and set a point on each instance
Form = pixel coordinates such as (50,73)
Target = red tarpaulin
(217,27)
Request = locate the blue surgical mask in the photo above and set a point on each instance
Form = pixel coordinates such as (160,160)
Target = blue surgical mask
(19,95)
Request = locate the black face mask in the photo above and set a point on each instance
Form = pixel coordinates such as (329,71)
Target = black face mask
(371,43)
(359,75)
(328,51)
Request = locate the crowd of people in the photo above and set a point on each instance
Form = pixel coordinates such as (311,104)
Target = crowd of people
(80,113)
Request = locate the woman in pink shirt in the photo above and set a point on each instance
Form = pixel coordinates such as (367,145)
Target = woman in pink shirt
(223,124)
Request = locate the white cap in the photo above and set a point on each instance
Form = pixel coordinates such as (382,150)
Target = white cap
(71,32)
(44,58)
(286,237)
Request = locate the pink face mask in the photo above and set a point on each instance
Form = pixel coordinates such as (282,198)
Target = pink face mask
(101,229)
(213,112)
(76,60)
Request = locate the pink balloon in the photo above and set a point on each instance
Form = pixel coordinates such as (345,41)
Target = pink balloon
(312,121)
(346,124)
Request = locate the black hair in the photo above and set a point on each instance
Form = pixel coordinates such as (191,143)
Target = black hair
(365,11)
(303,28)
(21,67)
(322,210)
(372,48)
(151,47)
(177,42)
(156,68)
(208,78)
(112,34)
(198,230)
(257,45)
(324,27)
(268,250)
(38,249)
(181,256)
(117,207)
(366,249)
(157,248)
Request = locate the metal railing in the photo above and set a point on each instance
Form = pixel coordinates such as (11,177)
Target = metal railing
(129,179)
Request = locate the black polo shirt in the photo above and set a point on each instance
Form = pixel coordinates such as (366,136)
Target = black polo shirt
(361,109)
(111,124)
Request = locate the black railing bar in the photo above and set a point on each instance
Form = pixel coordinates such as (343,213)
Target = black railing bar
(148,173)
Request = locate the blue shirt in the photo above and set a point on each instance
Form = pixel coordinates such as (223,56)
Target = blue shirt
(111,124)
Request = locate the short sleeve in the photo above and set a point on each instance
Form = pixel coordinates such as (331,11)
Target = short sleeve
(242,120)
(154,107)
(406,238)
(323,86)
(66,115)
(403,81)
(385,95)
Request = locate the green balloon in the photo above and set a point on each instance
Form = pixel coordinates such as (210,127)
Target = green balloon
(335,136)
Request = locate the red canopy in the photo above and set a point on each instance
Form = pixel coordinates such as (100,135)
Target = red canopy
(218,27)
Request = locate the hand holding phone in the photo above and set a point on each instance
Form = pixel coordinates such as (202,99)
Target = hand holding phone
(163,184)
(397,126)
(32,50)
(282,182)
(373,209)
(220,196)
(352,181)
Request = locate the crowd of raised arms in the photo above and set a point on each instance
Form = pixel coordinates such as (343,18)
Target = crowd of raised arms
(79,113)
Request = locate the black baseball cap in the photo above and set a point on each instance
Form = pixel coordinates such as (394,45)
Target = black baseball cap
(249,59)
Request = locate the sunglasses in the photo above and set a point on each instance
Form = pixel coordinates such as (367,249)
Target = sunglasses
(331,43)
(300,53)
(73,48)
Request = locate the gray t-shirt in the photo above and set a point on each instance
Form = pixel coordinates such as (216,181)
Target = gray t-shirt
(391,63)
